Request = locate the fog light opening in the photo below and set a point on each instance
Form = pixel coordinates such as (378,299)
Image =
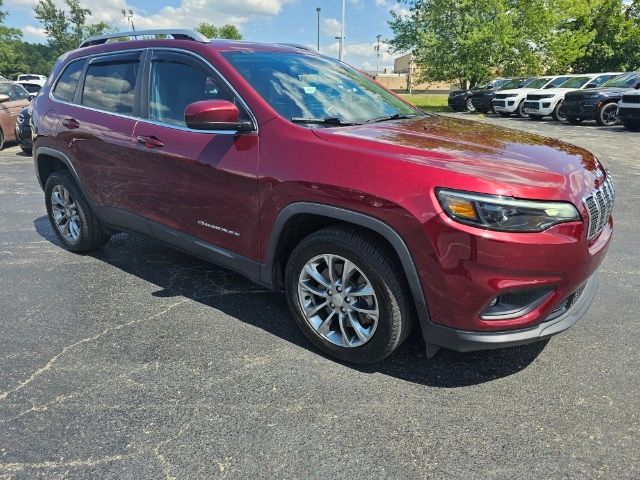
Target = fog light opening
(515,304)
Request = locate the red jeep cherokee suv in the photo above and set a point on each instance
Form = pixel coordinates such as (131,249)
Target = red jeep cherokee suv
(303,174)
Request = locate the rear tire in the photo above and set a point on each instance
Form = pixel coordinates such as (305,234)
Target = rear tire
(329,320)
(608,115)
(70,215)
(573,120)
(556,115)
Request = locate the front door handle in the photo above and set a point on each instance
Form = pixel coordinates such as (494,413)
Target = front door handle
(71,123)
(150,141)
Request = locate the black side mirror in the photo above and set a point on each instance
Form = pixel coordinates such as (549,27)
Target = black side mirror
(32,96)
(591,85)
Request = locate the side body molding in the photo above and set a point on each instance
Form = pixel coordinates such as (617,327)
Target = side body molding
(349,216)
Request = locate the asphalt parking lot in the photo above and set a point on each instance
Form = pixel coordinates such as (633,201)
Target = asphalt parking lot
(142,362)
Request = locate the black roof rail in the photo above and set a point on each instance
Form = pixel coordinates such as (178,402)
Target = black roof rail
(297,45)
(176,34)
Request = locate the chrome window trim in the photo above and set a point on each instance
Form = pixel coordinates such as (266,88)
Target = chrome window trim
(147,120)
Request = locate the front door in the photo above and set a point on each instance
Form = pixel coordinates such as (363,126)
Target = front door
(202,183)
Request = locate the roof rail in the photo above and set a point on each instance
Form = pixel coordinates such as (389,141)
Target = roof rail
(297,45)
(176,34)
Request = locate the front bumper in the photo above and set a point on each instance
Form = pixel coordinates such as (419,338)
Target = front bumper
(541,108)
(509,105)
(466,341)
(584,111)
(483,103)
(23,135)
(627,113)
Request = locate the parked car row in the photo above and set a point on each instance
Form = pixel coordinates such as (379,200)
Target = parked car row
(608,98)
(14,115)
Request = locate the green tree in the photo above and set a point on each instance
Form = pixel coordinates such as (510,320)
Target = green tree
(66,28)
(11,62)
(209,30)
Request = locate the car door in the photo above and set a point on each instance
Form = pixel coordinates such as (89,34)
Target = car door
(95,126)
(196,182)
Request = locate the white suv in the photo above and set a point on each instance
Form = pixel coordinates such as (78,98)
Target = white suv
(629,110)
(542,103)
(511,101)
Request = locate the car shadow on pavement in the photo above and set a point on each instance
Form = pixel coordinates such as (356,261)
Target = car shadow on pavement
(179,274)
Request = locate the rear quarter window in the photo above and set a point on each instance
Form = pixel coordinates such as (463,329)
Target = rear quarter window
(65,89)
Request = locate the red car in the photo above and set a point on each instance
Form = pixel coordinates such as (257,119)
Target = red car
(303,174)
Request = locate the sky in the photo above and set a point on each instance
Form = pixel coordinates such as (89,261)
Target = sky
(292,21)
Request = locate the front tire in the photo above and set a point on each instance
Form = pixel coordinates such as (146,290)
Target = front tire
(347,295)
(608,115)
(520,111)
(557,115)
(70,215)
(469,105)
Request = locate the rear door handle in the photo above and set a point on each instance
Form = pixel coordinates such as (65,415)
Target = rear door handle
(150,141)
(71,123)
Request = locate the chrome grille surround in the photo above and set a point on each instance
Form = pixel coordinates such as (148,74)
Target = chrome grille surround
(599,207)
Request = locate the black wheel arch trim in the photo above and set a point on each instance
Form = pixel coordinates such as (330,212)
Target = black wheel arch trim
(267,273)
(57,154)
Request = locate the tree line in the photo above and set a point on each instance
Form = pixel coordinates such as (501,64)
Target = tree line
(65,28)
(471,40)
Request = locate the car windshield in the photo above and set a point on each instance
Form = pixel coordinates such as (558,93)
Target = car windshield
(538,83)
(556,82)
(31,87)
(576,82)
(627,80)
(513,84)
(303,86)
(28,77)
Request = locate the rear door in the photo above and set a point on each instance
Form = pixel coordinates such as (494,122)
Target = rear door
(96,122)
(202,183)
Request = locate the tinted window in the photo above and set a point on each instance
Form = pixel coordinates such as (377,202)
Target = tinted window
(66,86)
(576,82)
(111,86)
(31,87)
(557,82)
(14,91)
(174,85)
(627,80)
(538,83)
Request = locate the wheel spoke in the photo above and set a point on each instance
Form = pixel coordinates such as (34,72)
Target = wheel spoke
(365,291)
(325,326)
(347,270)
(330,261)
(65,192)
(343,330)
(317,276)
(311,289)
(360,331)
(370,312)
(65,229)
(316,309)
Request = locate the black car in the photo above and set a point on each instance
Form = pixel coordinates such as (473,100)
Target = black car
(460,100)
(601,103)
(23,130)
(483,99)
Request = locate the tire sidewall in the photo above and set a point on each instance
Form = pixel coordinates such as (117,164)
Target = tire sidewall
(63,179)
(601,121)
(520,111)
(376,348)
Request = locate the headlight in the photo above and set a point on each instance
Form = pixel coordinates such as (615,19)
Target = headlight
(20,119)
(505,213)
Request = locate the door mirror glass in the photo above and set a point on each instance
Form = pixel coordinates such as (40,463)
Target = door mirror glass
(4,98)
(214,115)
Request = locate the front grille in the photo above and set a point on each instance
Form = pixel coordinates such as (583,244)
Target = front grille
(534,97)
(631,98)
(567,304)
(599,206)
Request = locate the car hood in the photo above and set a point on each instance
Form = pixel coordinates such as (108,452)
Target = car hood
(553,91)
(499,159)
(516,90)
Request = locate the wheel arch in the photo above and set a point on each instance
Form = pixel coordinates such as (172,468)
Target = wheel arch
(48,160)
(297,220)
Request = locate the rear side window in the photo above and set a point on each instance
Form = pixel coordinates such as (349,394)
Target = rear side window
(111,86)
(65,89)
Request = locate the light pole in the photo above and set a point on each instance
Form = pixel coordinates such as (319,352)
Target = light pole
(129,16)
(318,10)
(342,31)
(378,55)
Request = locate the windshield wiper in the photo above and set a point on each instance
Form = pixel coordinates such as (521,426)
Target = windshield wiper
(395,116)
(323,121)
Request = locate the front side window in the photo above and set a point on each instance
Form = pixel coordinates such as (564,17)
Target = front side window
(626,80)
(513,84)
(556,82)
(110,86)
(176,84)
(65,89)
(301,86)
(538,83)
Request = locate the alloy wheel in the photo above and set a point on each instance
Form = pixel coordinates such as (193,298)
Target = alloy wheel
(609,114)
(469,105)
(338,301)
(65,213)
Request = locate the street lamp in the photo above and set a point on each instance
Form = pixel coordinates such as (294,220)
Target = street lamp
(342,31)
(318,10)
(129,16)
(378,55)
